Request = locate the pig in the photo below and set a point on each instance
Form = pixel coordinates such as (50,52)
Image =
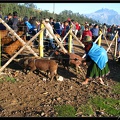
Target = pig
(68,59)
(43,65)
(13,47)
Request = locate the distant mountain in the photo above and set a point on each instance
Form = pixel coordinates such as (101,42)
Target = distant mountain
(105,15)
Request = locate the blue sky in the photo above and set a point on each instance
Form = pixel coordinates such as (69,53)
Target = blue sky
(82,8)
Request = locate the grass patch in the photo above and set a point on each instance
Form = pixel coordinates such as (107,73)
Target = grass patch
(116,88)
(86,109)
(110,106)
(65,111)
(10,79)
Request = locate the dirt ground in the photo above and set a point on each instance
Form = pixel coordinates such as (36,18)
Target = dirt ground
(31,96)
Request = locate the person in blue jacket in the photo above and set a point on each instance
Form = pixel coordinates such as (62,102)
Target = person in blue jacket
(95,32)
(97,56)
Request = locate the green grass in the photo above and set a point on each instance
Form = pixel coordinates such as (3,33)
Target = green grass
(116,88)
(65,111)
(10,79)
(109,105)
(86,109)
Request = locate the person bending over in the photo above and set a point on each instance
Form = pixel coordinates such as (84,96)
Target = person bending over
(97,56)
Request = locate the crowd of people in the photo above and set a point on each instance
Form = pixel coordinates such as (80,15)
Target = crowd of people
(61,28)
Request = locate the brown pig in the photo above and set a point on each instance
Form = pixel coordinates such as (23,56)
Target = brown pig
(43,65)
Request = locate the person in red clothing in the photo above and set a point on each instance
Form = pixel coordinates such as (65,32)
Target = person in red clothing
(77,28)
(64,32)
(86,32)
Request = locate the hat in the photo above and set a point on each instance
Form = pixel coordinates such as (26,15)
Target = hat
(86,26)
(87,39)
(47,20)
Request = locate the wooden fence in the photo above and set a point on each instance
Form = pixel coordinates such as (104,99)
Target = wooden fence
(41,46)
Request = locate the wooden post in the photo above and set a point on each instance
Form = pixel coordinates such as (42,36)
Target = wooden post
(111,43)
(109,49)
(59,43)
(115,50)
(41,42)
(70,42)
(99,40)
(15,55)
(22,41)
(77,40)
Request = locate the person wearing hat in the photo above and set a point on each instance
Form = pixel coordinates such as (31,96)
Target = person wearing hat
(48,35)
(97,56)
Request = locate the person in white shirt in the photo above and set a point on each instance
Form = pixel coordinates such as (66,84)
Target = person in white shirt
(48,35)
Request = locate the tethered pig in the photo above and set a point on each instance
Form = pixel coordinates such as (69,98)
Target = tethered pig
(68,59)
(10,50)
(43,65)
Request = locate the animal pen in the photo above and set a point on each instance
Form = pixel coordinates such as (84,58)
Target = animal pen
(59,43)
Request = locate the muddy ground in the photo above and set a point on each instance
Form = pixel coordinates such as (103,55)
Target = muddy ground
(31,96)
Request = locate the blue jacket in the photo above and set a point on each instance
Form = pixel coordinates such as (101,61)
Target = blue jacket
(28,25)
(95,31)
(99,55)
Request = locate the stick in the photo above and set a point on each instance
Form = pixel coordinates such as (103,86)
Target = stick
(108,46)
